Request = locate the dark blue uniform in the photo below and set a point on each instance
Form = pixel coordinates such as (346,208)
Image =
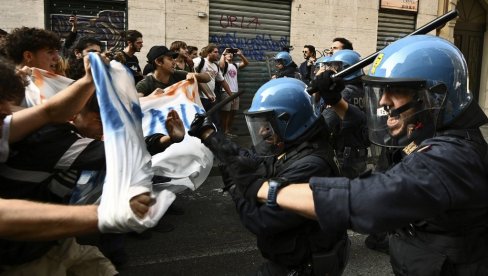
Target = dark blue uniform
(349,139)
(435,200)
(289,241)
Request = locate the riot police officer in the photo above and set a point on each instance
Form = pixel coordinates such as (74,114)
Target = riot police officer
(290,144)
(349,134)
(434,201)
(285,66)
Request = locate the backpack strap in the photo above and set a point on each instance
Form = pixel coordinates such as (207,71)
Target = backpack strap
(226,67)
(200,65)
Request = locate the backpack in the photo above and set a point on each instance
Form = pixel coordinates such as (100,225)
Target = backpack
(218,86)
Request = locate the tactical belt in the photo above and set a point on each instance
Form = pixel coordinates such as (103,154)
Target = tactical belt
(460,249)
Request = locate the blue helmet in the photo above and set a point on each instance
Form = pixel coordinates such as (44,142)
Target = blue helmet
(344,59)
(432,73)
(283,58)
(280,114)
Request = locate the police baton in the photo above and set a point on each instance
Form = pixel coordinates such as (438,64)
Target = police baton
(432,25)
(223,102)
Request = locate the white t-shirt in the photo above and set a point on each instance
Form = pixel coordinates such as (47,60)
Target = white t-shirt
(231,77)
(5,133)
(212,69)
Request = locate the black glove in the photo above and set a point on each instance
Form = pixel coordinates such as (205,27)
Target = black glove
(246,175)
(199,125)
(329,88)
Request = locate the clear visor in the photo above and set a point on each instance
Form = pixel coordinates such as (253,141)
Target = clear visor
(335,66)
(398,115)
(264,134)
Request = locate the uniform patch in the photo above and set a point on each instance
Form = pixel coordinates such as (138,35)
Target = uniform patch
(410,148)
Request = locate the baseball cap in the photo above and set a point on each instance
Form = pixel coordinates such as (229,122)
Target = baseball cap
(157,51)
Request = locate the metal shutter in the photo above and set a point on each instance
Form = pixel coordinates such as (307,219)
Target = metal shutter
(101,19)
(260,29)
(393,26)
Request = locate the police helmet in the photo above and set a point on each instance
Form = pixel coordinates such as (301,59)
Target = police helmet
(431,74)
(342,59)
(280,114)
(283,58)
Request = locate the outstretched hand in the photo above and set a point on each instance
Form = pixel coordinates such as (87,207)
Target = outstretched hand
(174,126)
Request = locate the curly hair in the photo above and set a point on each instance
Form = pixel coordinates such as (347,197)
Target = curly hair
(29,39)
(176,45)
(12,83)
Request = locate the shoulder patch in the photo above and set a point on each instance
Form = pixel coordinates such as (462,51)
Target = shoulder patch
(410,148)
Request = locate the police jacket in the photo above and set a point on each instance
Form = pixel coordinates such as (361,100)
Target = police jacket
(289,71)
(439,193)
(353,93)
(284,237)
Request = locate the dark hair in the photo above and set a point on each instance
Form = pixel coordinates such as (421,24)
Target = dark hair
(131,35)
(192,48)
(85,41)
(346,44)
(176,45)
(12,83)
(311,49)
(92,104)
(3,33)
(29,39)
(209,48)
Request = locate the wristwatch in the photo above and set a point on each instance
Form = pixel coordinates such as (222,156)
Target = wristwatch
(274,185)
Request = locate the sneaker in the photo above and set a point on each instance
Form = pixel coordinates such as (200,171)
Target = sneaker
(378,242)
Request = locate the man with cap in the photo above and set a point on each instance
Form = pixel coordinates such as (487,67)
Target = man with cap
(161,72)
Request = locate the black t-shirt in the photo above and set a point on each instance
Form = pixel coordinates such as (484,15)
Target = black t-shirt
(133,64)
(149,83)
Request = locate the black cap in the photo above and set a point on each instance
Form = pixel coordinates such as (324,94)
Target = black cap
(157,51)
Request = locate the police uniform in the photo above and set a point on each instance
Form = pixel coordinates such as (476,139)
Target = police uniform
(434,200)
(289,241)
(349,139)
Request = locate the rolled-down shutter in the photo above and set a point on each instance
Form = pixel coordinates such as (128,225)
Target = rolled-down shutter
(260,29)
(102,19)
(393,26)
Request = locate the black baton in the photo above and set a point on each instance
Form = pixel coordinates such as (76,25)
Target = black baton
(223,102)
(432,25)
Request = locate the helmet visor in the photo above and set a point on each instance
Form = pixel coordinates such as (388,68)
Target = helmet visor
(398,114)
(264,133)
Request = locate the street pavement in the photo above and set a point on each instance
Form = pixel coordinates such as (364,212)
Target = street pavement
(210,240)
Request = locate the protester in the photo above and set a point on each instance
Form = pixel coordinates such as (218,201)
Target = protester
(133,44)
(229,70)
(162,72)
(306,67)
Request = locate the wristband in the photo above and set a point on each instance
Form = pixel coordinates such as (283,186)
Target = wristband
(274,185)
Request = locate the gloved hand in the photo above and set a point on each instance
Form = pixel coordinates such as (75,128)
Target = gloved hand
(199,125)
(329,88)
(246,175)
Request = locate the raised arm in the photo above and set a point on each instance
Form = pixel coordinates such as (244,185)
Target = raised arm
(57,109)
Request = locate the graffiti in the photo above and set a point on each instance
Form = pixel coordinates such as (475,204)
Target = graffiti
(253,48)
(106,26)
(227,21)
